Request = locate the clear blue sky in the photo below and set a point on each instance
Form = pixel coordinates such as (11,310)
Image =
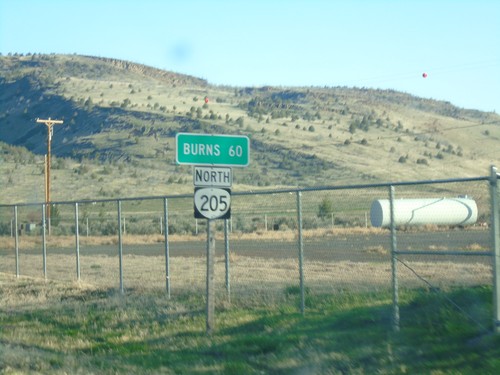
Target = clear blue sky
(374,44)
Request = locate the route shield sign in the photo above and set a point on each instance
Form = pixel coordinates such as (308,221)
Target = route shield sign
(212,149)
(212,203)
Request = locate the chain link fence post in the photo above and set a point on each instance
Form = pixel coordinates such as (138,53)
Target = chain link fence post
(44,242)
(301,252)
(394,264)
(77,243)
(120,245)
(17,240)
(167,246)
(495,234)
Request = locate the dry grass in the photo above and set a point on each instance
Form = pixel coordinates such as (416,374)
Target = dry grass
(377,250)
(32,242)
(437,248)
(476,247)
(247,274)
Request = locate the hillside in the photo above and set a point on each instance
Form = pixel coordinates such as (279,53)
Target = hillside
(120,121)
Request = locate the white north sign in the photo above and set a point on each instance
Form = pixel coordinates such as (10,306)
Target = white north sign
(212,177)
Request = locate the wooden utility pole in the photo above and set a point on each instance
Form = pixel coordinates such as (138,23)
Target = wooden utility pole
(49,122)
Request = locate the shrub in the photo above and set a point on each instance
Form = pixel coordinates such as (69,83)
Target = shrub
(325,208)
(240,121)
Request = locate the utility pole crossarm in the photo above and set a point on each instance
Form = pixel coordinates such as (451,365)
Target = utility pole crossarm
(49,122)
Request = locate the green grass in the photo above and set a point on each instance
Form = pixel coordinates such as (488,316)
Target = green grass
(99,331)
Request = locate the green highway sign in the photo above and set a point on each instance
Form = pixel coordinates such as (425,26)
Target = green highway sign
(212,149)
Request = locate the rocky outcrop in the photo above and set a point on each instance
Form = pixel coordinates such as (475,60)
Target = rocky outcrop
(163,75)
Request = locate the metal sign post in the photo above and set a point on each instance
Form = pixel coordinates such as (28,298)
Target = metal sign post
(211,154)
(210,275)
(212,200)
(211,204)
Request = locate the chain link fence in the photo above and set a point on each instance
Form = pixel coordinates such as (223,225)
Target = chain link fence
(276,243)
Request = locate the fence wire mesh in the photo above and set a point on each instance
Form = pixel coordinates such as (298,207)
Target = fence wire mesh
(258,249)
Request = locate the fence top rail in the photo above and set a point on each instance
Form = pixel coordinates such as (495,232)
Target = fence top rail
(108,200)
(362,186)
(265,192)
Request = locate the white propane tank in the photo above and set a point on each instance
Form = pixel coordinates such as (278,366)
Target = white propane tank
(439,211)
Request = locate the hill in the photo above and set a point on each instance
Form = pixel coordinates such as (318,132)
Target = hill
(120,121)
